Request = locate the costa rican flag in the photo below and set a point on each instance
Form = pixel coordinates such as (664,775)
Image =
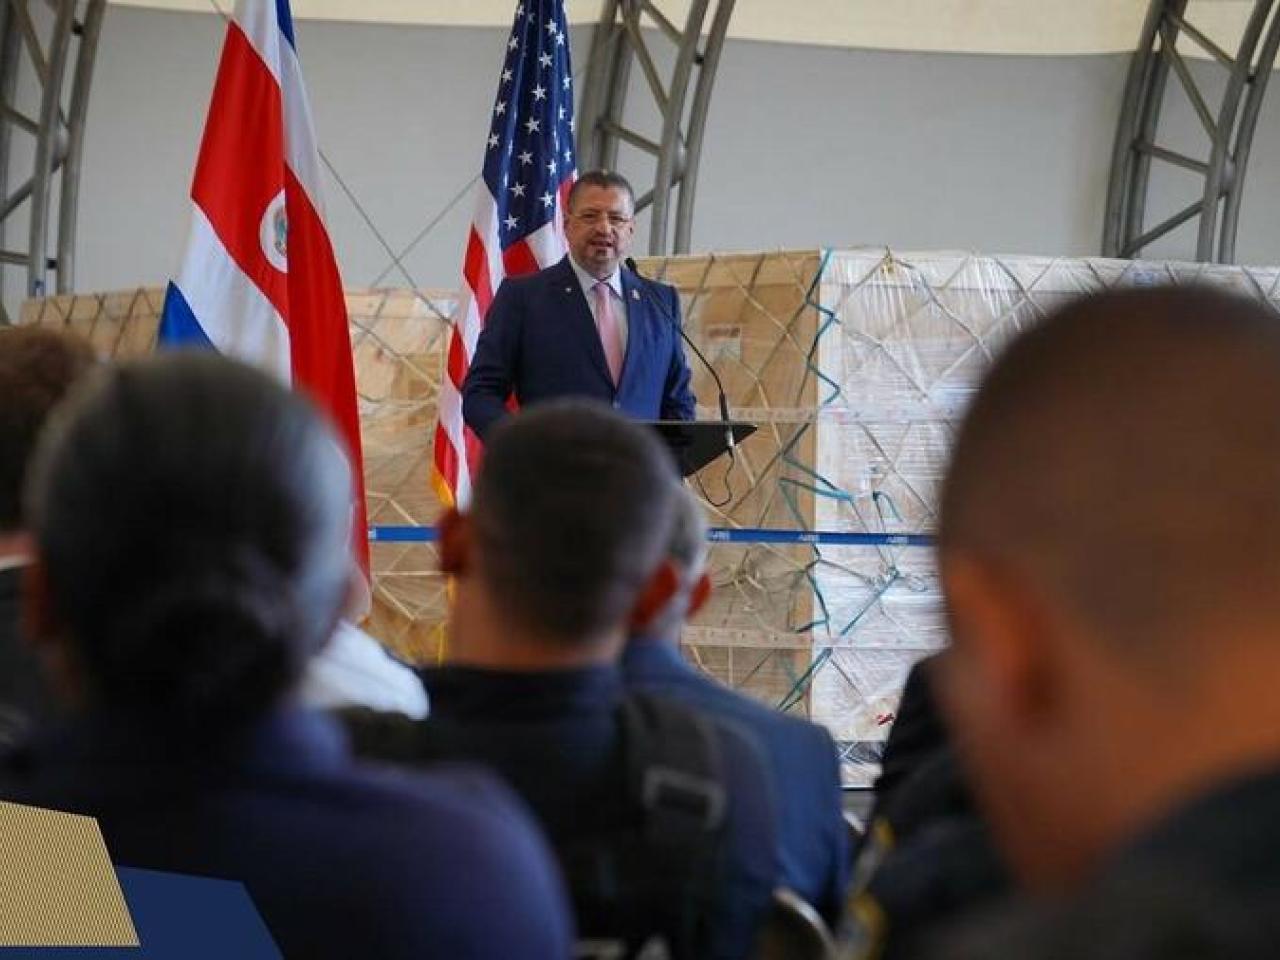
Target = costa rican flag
(519,219)
(259,280)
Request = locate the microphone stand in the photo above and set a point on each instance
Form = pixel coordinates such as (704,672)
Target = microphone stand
(630,264)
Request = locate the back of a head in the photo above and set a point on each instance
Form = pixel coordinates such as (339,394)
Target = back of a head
(193,519)
(687,551)
(37,368)
(1126,455)
(572,511)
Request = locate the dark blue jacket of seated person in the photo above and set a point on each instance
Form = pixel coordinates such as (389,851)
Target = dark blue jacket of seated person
(802,760)
(341,860)
(540,342)
(557,739)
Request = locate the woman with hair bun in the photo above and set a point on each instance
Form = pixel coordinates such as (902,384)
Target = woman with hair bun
(192,522)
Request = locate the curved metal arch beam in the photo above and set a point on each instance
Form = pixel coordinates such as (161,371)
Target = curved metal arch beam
(47,144)
(57,50)
(604,90)
(671,160)
(1229,129)
(1126,186)
(698,124)
(617,43)
(77,114)
(9,41)
(1221,172)
(1244,141)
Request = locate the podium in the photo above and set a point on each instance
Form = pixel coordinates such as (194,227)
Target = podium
(695,443)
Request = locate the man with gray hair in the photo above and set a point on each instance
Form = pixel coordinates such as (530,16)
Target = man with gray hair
(812,837)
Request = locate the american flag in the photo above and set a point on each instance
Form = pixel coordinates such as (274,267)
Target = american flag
(519,220)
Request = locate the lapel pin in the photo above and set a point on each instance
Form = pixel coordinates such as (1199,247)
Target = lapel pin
(568,289)
(635,294)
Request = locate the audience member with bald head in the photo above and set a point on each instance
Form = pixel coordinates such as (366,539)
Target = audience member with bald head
(1110,553)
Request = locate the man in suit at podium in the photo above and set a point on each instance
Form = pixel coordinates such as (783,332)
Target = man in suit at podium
(586,326)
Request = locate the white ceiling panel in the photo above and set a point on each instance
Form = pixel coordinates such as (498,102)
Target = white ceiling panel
(1027,27)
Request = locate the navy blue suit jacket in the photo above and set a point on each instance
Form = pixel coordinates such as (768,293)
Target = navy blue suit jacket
(341,861)
(540,341)
(813,839)
(554,737)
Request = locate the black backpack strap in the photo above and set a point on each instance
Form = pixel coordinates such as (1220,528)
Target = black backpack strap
(674,767)
(676,778)
(379,735)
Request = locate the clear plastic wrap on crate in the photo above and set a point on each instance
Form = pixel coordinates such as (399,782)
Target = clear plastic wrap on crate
(855,365)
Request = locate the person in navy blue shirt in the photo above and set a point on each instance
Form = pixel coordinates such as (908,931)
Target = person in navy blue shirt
(561,550)
(586,326)
(801,756)
(192,526)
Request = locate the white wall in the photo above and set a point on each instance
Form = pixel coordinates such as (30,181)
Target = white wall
(807,146)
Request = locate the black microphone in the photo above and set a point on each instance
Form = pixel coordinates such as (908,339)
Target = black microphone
(630,264)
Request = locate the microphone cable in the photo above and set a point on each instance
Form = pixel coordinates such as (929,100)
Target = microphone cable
(729,442)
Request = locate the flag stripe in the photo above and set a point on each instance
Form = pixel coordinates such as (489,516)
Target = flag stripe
(457,362)
(241,166)
(179,324)
(446,459)
(260,23)
(321,355)
(300,136)
(231,310)
(486,227)
(547,243)
(476,271)
(518,259)
(285,20)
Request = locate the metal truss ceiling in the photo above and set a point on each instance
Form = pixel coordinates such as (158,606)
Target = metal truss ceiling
(607,121)
(48,48)
(1228,127)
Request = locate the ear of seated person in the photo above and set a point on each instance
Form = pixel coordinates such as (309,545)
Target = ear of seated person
(801,757)
(190,520)
(661,818)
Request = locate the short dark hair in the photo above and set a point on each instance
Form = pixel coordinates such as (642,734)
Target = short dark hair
(572,510)
(193,517)
(38,365)
(1125,454)
(604,179)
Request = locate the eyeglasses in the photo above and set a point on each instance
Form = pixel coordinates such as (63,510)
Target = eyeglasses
(595,217)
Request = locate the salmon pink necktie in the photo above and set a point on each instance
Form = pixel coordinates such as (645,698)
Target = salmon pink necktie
(607,324)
